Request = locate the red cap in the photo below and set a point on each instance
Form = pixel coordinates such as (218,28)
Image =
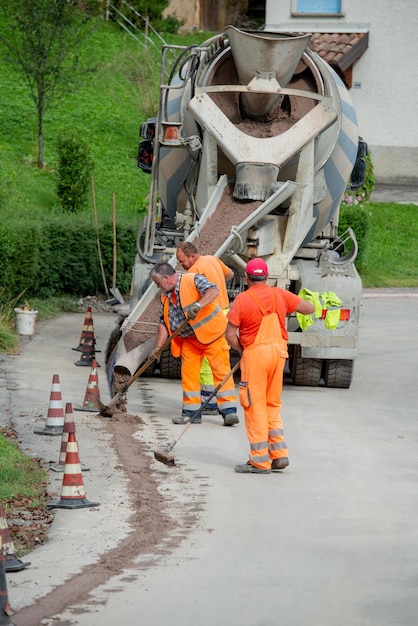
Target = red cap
(257,268)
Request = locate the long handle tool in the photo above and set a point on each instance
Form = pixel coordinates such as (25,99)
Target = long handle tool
(165,456)
(106,410)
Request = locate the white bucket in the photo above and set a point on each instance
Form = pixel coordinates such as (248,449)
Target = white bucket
(25,321)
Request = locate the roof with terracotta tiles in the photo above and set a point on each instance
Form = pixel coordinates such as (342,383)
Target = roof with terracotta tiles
(340,49)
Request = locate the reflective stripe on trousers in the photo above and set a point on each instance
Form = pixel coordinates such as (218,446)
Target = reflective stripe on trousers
(262,366)
(206,377)
(217,353)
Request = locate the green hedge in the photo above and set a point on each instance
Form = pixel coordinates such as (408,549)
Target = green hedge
(355,216)
(59,255)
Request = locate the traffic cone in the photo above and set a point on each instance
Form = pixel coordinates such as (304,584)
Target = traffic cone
(92,395)
(73,495)
(5,610)
(11,561)
(88,331)
(89,353)
(55,417)
(86,328)
(69,427)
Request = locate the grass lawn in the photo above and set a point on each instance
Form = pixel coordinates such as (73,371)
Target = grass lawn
(391,251)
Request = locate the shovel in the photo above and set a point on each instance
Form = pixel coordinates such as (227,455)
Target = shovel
(165,456)
(106,410)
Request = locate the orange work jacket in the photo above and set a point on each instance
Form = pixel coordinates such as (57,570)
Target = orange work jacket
(208,325)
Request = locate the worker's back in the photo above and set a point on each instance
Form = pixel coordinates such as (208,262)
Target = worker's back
(215,271)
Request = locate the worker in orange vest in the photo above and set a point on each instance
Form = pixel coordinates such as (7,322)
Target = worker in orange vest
(194,297)
(217,273)
(257,328)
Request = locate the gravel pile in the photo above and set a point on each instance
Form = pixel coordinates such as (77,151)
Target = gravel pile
(99,304)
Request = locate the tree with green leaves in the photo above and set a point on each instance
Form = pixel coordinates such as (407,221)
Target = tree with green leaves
(41,39)
(75,167)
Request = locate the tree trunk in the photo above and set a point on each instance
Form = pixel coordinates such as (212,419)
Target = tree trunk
(40,140)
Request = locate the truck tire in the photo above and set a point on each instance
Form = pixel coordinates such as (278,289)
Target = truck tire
(306,372)
(170,366)
(150,369)
(338,373)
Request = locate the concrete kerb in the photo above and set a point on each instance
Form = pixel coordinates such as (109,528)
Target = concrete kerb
(391,293)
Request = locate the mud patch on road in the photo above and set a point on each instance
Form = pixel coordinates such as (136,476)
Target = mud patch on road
(152,526)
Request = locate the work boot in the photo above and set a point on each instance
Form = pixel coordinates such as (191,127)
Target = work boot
(280,464)
(230,419)
(13,564)
(184,419)
(249,468)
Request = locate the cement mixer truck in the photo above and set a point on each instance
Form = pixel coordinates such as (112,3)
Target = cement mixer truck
(250,154)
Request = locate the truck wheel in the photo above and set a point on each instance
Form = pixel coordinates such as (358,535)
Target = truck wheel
(150,369)
(170,366)
(338,373)
(306,372)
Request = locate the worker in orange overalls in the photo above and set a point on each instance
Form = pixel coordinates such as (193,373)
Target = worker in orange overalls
(192,295)
(257,329)
(217,273)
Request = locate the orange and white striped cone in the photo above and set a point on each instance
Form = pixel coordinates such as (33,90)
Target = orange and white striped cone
(11,561)
(92,395)
(5,610)
(88,320)
(88,354)
(73,495)
(55,418)
(88,331)
(69,427)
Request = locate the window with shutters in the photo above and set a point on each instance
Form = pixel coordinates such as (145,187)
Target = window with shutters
(317,7)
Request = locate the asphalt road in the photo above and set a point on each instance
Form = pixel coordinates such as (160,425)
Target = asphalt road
(332,540)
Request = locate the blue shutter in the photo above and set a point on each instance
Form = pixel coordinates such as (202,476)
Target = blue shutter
(319,6)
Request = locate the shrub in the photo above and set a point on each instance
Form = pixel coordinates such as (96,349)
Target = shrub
(355,213)
(8,337)
(58,255)
(170,24)
(75,167)
(363,193)
(355,217)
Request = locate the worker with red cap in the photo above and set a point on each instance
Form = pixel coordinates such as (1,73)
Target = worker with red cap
(257,328)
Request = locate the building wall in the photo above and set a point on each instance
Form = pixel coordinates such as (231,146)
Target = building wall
(385,78)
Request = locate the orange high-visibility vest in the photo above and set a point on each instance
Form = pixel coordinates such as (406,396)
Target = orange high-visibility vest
(208,325)
(215,270)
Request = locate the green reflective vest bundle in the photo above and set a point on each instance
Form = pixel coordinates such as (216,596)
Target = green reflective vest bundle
(326,301)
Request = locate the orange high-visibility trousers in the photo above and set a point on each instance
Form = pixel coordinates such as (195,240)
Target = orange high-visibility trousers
(217,353)
(262,366)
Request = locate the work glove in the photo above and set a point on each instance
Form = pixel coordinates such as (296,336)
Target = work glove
(154,353)
(193,311)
